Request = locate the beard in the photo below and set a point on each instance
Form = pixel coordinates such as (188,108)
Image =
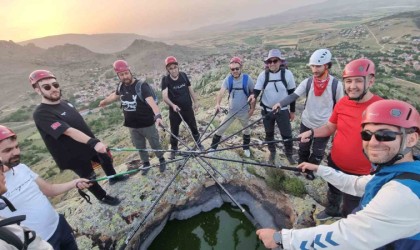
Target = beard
(13,162)
(50,98)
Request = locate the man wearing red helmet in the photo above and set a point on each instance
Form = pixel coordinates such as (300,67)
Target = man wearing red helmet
(67,136)
(28,193)
(177,92)
(388,215)
(140,112)
(240,86)
(346,152)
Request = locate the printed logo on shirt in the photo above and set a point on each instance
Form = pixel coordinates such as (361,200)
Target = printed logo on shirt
(64,113)
(130,105)
(179,86)
(55,125)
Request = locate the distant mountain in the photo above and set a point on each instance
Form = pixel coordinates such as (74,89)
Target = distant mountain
(151,55)
(328,10)
(333,9)
(99,43)
(9,49)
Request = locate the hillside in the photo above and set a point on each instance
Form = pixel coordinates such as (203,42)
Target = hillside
(99,43)
(330,11)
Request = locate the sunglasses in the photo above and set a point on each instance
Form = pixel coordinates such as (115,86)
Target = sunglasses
(1,167)
(380,135)
(273,61)
(47,87)
(235,69)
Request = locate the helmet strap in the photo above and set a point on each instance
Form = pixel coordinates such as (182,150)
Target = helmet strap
(365,90)
(401,153)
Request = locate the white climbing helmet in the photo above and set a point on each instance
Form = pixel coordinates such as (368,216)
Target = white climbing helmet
(320,57)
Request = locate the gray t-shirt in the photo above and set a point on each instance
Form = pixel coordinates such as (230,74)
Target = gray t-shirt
(318,109)
(275,91)
(237,98)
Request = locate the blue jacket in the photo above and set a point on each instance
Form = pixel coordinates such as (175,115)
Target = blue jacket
(385,175)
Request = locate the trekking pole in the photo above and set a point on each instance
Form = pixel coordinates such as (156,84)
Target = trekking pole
(189,130)
(130,171)
(237,132)
(309,174)
(256,144)
(149,150)
(233,115)
(176,137)
(247,215)
(208,125)
(214,169)
(149,211)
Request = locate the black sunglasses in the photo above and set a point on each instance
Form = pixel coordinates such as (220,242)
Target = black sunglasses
(235,69)
(47,87)
(272,61)
(1,167)
(380,135)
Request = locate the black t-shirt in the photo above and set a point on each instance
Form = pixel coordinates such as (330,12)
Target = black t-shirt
(137,114)
(178,91)
(52,121)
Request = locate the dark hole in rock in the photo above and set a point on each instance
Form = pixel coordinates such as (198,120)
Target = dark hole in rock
(193,217)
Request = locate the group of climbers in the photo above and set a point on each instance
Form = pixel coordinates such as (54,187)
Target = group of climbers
(332,108)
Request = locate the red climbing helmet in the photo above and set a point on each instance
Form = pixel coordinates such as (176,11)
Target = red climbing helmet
(359,67)
(5,133)
(170,60)
(120,66)
(392,112)
(236,60)
(39,75)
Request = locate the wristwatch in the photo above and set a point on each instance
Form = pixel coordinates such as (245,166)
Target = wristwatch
(278,239)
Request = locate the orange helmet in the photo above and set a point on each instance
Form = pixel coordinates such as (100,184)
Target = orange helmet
(392,112)
(170,60)
(359,67)
(39,75)
(5,133)
(120,66)
(236,60)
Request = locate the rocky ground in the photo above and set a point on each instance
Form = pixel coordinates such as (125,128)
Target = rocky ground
(100,226)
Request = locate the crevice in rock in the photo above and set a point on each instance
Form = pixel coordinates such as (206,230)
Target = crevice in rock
(268,212)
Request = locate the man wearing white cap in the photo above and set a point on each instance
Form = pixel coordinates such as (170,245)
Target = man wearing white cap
(276,83)
(322,92)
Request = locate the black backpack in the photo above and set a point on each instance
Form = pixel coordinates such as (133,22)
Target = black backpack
(183,75)
(267,80)
(333,88)
(138,86)
(9,237)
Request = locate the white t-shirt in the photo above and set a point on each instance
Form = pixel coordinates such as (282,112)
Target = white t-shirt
(24,193)
(318,108)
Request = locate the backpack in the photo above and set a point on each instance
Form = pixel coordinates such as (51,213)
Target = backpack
(138,91)
(267,80)
(184,77)
(333,88)
(244,85)
(407,176)
(10,238)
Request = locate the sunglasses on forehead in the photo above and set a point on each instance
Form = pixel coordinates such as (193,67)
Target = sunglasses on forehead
(47,87)
(380,135)
(235,69)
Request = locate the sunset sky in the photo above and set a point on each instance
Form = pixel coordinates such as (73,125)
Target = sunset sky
(22,20)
